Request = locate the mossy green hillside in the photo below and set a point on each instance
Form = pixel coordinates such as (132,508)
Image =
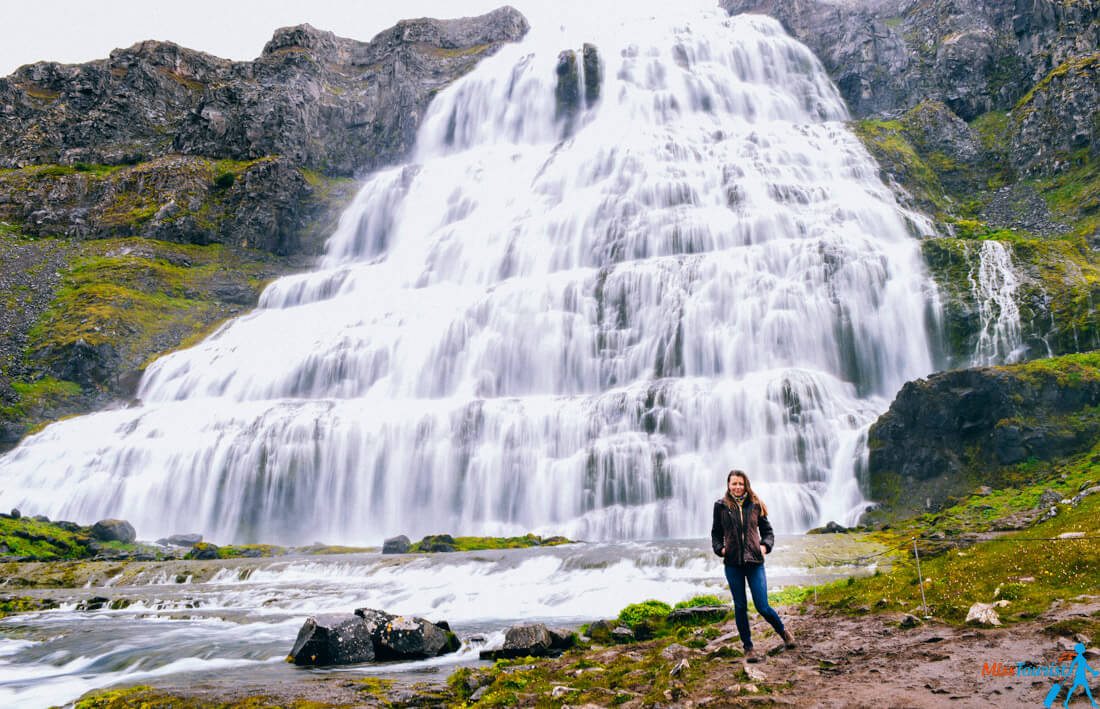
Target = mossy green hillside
(42,541)
(119,304)
(1030,568)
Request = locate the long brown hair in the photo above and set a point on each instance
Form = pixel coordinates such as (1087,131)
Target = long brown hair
(748,491)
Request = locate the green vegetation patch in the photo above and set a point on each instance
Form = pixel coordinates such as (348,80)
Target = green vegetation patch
(41,541)
(143,697)
(889,145)
(1022,567)
(447,543)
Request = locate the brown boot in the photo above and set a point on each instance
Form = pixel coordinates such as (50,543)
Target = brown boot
(751,656)
(788,641)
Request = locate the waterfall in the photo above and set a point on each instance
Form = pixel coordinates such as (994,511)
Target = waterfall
(993,286)
(562,319)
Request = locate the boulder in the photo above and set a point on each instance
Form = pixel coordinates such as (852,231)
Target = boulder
(333,639)
(203,551)
(562,638)
(406,637)
(983,614)
(593,74)
(698,614)
(568,91)
(1049,498)
(396,545)
(437,543)
(623,634)
(114,530)
(830,528)
(181,540)
(525,640)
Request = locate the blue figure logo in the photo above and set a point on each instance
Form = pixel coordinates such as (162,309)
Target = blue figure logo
(1080,679)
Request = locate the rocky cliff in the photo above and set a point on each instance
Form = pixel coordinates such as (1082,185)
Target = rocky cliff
(148,196)
(948,434)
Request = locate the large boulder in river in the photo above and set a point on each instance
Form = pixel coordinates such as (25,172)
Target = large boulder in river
(409,638)
(333,639)
(531,640)
(396,545)
(114,530)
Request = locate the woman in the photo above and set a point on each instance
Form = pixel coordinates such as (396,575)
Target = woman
(742,536)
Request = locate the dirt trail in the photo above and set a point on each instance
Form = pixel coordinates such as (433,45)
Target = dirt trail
(869,662)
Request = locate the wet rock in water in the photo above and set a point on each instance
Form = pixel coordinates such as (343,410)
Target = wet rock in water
(593,76)
(437,543)
(181,540)
(333,639)
(525,640)
(204,551)
(830,528)
(409,638)
(406,637)
(568,91)
(94,603)
(114,530)
(396,545)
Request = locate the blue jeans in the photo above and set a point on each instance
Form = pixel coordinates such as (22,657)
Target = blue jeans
(758,586)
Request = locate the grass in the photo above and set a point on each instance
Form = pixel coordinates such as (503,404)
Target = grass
(439,541)
(42,541)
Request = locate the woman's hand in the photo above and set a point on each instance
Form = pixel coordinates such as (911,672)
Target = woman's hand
(723,552)
(763,551)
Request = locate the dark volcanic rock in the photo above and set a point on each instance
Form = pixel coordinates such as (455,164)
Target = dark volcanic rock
(181,540)
(114,530)
(396,545)
(940,433)
(326,102)
(333,639)
(525,640)
(593,74)
(406,637)
(1037,58)
(974,56)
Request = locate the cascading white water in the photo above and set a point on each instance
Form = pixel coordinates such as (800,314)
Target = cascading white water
(1000,339)
(528,330)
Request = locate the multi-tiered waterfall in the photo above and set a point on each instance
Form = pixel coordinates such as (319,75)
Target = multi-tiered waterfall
(544,322)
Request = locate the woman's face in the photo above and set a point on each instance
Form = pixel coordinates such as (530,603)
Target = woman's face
(737,486)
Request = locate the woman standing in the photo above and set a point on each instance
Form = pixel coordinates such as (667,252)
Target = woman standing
(742,536)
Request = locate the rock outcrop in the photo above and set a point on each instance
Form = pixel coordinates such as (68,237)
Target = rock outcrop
(945,435)
(324,102)
(974,56)
(1036,57)
(369,635)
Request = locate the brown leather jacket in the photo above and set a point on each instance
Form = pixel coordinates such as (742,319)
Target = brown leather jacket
(741,532)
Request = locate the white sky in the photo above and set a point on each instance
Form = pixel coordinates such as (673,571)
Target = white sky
(80,30)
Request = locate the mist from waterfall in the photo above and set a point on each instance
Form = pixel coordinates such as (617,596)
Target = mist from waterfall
(550,321)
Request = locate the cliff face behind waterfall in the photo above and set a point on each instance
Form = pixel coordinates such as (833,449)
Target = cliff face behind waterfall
(147,196)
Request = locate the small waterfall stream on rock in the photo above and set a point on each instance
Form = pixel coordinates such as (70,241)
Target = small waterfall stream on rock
(556,318)
(1000,339)
(555,323)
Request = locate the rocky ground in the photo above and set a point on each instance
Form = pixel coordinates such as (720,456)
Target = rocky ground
(840,661)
